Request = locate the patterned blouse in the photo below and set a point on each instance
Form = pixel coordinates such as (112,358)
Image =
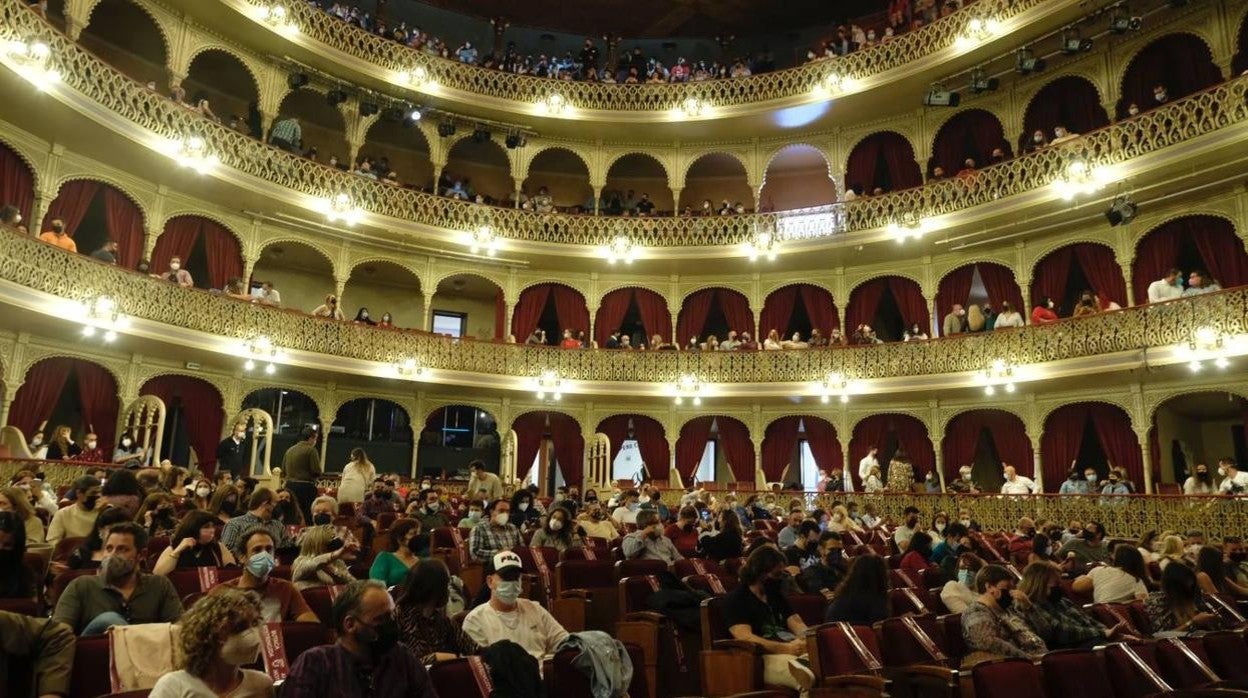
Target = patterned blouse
(990,630)
(428,634)
(1163,618)
(1061,625)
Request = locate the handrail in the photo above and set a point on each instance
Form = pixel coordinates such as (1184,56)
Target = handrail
(1170,124)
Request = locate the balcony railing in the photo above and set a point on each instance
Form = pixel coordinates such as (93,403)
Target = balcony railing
(30,263)
(1171,124)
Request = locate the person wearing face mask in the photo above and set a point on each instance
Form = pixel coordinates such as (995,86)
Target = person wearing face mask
(494,535)
(474,516)
(959,591)
(156,515)
(1234,481)
(177,274)
(652,498)
(91,451)
(120,594)
(648,541)
(37,446)
(194,544)
(323,558)
(368,659)
(1199,481)
(381,500)
(684,533)
(482,484)
(356,474)
(1160,95)
(1023,535)
(757,612)
(989,629)
(523,512)
(220,635)
(558,532)
(421,610)
(1045,312)
(1089,548)
(1076,481)
(407,544)
(909,526)
(280,601)
(918,557)
(1115,490)
(259,515)
(78,519)
(62,446)
(626,512)
(965,482)
(233,451)
(286,510)
(1038,141)
(1055,619)
(16,500)
(805,550)
(225,503)
(940,522)
(509,617)
(825,574)
(1015,483)
(200,494)
(789,534)
(595,523)
(1061,135)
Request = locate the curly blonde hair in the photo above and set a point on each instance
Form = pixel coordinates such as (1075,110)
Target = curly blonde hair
(207,624)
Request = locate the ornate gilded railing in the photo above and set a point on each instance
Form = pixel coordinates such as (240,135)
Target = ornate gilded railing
(1174,123)
(30,263)
(800,81)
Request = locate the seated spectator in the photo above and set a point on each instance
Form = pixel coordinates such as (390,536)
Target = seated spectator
(62,445)
(839,521)
(323,559)
(421,611)
(788,535)
(1199,283)
(224,504)
(120,594)
(16,579)
(862,598)
(1043,313)
(873,484)
(1234,481)
(494,535)
(508,617)
(156,515)
(280,600)
(381,500)
(259,514)
(558,532)
(17,502)
(954,540)
(1199,482)
(78,519)
(176,274)
(37,653)
(90,552)
(1167,287)
(368,659)
(684,533)
(918,556)
(476,508)
(626,512)
(1061,135)
(219,636)
(1212,577)
(959,592)
(1017,484)
(594,521)
(728,540)
(1121,582)
(772,342)
(391,566)
(329,309)
(914,334)
(59,237)
(362,318)
(1179,608)
(524,509)
(805,549)
(1052,616)
(648,541)
(1088,548)
(826,574)
(756,611)
(194,544)
(267,295)
(989,630)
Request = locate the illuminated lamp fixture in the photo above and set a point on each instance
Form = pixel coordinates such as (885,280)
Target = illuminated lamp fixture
(192,152)
(836,384)
(998,374)
(1072,43)
(693,107)
(982,82)
(1080,177)
(620,249)
(277,17)
(340,208)
(554,104)
(33,61)
(101,315)
(260,349)
(978,29)
(482,240)
(688,387)
(762,243)
(416,78)
(548,383)
(1207,345)
(1121,210)
(835,82)
(1121,21)
(1027,62)
(409,368)
(938,96)
(406,114)
(907,225)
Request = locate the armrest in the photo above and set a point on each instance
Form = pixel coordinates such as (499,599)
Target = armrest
(645,616)
(585,594)
(934,671)
(738,645)
(856,681)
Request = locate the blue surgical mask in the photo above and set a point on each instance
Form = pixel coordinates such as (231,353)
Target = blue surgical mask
(507,592)
(966,577)
(261,564)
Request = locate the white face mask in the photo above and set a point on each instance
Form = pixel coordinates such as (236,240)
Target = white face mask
(90,445)
(524,506)
(501,519)
(966,476)
(126,443)
(966,522)
(175,266)
(644,499)
(202,492)
(242,648)
(556,525)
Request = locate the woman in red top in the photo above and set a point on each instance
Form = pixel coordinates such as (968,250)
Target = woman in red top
(684,533)
(1043,314)
(569,342)
(917,557)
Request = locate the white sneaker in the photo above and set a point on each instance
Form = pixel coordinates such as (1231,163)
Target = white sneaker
(802,674)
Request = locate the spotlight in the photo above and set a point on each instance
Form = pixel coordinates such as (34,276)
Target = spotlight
(336,97)
(1121,210)
(446,129)
(981,82)
(1072,43)
(368,108)
(515,140)
(939,97)
(480,135)
(1026,62)
(405,114)
(297,80)
(1120,22)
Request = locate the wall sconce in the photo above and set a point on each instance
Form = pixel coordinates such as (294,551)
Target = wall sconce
(1080,177)
(693,107)
(33,61)
(1208,344)
(409,368)
(261,349)
(835,384)
(762,243)
(907,225)
(416,78)
(621,249)
(277,17)
(102,314)
(688,386)
(999,373)
(834,83)
(481,240)
(555,104)
(548,383)
(192,152)
(340,207)
(978,29)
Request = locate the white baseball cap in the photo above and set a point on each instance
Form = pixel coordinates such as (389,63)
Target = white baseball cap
(506,559)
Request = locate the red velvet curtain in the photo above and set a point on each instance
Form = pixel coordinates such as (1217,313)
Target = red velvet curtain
(910,301)
(864,301)
(692,318)
(1220,248)
(870,432)
(691,445)
(529,428)
(1181,62)
(820,308)
(903,170)
(177,240)
(1006,430)
(863,161)
(1102,271)
(824,445)
(1121,446)
(954,288)
(569,446)
(500,315)
(125,226)
(570,308)
(611,311)
(736,309)
(894,151)
(651,440)
(1156,253)
(97,395)
(1000,284)
(71,204)
(734,438)
(969,134)
(1050,276)
(528,311)
(778,445)
(777,312)
(912,436)
(655,317)
(1061,442)
(1223,252)
(17,184)
(39,394)
(202,409)
(225,259)
(1071,101)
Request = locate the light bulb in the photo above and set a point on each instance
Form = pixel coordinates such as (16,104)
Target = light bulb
(558,396)
(680,400)
(1195,366)
(1221,362)
(844,398)
(270,369)
(1009,387)
(824,399)
(697,401)
(88,331)
(989,390)
(249,365)
(110,336)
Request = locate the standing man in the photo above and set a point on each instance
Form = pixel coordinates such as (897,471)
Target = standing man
(955,321)
(482,484)
(1017,484)
(231,455)
(57,236)
(302,466)
(868,462)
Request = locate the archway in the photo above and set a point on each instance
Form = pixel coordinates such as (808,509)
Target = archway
(550,449)
(230,88)
(566,178)
(1066,272)
(382,428)
(194,416)
(208,250)
(480,168)
(550,307)
(718,177)
(291,410)
(713,312)
(1240,62)
(128,39)
(93,213)
(477,301)
(1192,243)
(76,393)
(971,134)
(300,272)
(649,443)
(883,160)
(453,437)
(717,449)
(1089,435)
(979,283)
(797,447)
(890,432)
(798,176)
(17,183)
(1070,101)
(638,173)
(887,304)
(1199,427)
(637,312)
(800,308)
(1181,63)
(322,127)
(397,146)
(987,440)
(382,287)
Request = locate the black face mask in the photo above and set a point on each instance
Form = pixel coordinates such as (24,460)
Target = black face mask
(1088,536)
(1005,601)
(1056,595)
(88,503)
(321,519)
(334,544)
(380,638)
(835,557)
(1239,556)
(228,506)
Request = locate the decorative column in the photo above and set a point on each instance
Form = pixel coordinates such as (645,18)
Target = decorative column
(518,185)
(676,199)
(589,331)
(340,285)
(597,198)
(1037,467)
(1126,277)
(1146,457)
(508,309)
(673,474)
(846,474)
(940,467)
(937,321)
(677,340)
(10,394)
(426,313)
(613,51)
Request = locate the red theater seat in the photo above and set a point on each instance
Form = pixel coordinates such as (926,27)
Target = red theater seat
(1016,678)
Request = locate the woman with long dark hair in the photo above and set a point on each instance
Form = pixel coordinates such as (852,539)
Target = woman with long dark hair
(728,541)
(1179,607)
(1211,574)
(862,597)
(195,543)
(421,612)
(91,551)
(1123,581)
(16,580)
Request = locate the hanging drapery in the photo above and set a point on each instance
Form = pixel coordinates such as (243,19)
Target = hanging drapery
(736,309)
(1223,252)
(17,184)
(39,393)
(1061,442)
(71,204)
(225,259)
(125,227)
(528,311)
(903,169)
(569,447)
(650,437)
(1118,440)
(693,314)
(530,428)
(823,442)
(1156,253)
(734,438)
(954,289)
(500,315)
(912,436)
(1070,101)
(820,308)
(1006,430)
(97,396)
(611,311)
(691,445)
(1181,62)
(1102,272)
(570,308)
(202,409)
(778,445)
(778,311)
(177,240)
(871,432)
(968,134)
(655,317)
(1001,287)
(1050,276)
(910,301)
(864,303)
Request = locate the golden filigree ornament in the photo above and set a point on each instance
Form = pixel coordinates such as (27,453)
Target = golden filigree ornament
(33,60)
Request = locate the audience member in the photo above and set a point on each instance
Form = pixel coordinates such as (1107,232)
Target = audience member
(17,501)
(1120,582)
(1178,608)
(219,636)
(558,532)
(391,566)
(728,540)
(194,544)
(756,611)
(78,519)
(259,514)
(1054,618)
(508,617)
(280,601)
(483,484)
(989,629)
(39,648)
(323,558)
(862,598)
(959,592)
(421,611)
(495,535)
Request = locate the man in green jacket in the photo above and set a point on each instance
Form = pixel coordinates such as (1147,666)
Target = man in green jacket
(39,645)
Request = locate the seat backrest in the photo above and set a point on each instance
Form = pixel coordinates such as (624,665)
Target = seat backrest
(906,600)
(1111,614)
(706,583)
(1075,674)
(585,574)
(1182,664)
(301,637)
(1017,678)
(25,607)
(90,675)
(1226,651)
(900,580)
(1130,671)
(65,547)
(564,679)
(841,648)
(458,677)
(63,579)
(954,643)
(903,641)
(635,590)
(713,625)
(811,608)
(634,568)
(691,566)
(321,600)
